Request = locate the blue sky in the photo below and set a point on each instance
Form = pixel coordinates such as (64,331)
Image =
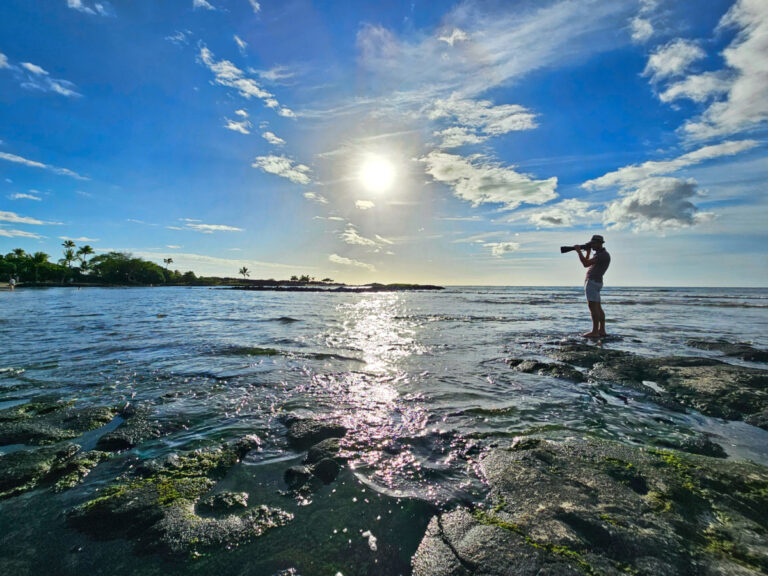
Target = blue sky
(457,143)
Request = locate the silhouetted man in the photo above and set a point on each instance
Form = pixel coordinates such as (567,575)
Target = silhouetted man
(593,283)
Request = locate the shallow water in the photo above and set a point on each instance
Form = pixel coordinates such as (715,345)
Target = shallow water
(419,378)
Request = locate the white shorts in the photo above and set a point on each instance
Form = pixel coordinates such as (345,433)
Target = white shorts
(592,290)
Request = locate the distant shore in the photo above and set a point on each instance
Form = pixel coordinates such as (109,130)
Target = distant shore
(253,285)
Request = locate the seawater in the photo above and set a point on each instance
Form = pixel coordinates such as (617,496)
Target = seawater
(419,378)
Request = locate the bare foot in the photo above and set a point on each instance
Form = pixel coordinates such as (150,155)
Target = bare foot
(603,335)
(591,335)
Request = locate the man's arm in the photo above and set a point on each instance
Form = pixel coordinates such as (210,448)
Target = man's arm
(586,261)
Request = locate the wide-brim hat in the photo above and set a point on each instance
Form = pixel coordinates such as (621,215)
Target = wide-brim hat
(597,238)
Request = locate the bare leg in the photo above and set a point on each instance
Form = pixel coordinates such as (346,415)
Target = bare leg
(601,322)
(594,312)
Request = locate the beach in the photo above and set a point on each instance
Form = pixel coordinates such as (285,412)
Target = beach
(188,430)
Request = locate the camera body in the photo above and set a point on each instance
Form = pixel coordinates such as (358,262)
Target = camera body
(564,249)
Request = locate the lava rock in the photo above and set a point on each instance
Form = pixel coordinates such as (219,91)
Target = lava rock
(137,427)
(298,476)
(561,371)
(304,433)
(224,502)
(327,470)
(24,470)
(44,422)
(732,349)
(328,448)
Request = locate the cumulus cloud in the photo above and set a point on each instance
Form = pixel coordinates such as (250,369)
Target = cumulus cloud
(99,8)
(481,181)
(364,204)
(255,6)
(286,112)
(673,59)
(23,196)
(202,4)
(315,197)
(697,87)
(456,35)
(563,214)
(336,259)
(501,248)
(34,164)
(241,44)
(16,219)
(656,204)
(242,113)
(629,175)
(744,105)
(283,167)
(272,138)
(642,29)
(18,234)
(242,126)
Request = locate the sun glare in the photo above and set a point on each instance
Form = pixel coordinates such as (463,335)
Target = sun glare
(377,174)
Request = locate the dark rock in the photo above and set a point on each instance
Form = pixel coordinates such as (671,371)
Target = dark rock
(698,445)
(157,508)
(304,433)
(595,507)
(328,448)
(26,469)
(734,350)
(298,476)
(247,444)
(327,470)
(138,427)
(224,502)
(73,471)
(39,423)
(562,371)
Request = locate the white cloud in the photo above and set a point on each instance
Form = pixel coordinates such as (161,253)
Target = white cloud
(23,196)
(275,74)
(284,167)
(629,175)
(272,138)
(255,5)
(673,59)
(34,164)
(315,197)
(563,214)
(204,4)
(351,236)
(483,116)
(642,29)
(336,259)
(4,61)
(179,37)
(286,112)
(16,219)
(458,136)
(80,239)
(100,8)
(173,246)
(229,75)
(697,87)
(502,248)
(481,181)
(364,204)
(745,105)
(656,204)
(242,113)
(242,126)
(18,234)
(456,35)
(34,68)
(241,44)
(211,228)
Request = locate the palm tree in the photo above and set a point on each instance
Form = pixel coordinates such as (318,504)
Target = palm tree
(69,256)
(38,258)
(82,253)
(245,272)
(168,262)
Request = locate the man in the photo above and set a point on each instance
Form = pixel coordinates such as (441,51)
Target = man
(596,267)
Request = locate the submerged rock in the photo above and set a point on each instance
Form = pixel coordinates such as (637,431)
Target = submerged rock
(224,502)
(304,433)
(594,507)
(26,469)
(710,386)
(328,448)
(562,371)
(137,427)
(735,350)
(155,506)
(327,470)
(43,422)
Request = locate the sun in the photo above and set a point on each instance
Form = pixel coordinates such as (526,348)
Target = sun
(377,174)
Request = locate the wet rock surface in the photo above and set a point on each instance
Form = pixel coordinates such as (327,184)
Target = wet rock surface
(547,369)
(137,427)
(603,508)
(224,502)
(155,507)
(710,386)
(47,422)
(733,349)
(304,433)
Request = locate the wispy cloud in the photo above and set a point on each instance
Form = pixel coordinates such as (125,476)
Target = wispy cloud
(241,44)
(364,204)
(34,164)
(564,214)
(353,237)
(255,5)
(202,4)
(480,181)
(80,239)
(24,196)
(197,226)
(336,259)
(315,197)
(179,37)
(16,219)
(629,175)
(18,234)
(243,126)
(673,59)
(99,8)
(4,61)
(456,35)
(34,77)
(641,24)
(501,248)
(283,167)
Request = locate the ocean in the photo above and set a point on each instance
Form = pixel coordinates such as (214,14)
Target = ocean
(421,380)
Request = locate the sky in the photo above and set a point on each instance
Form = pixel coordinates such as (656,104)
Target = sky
(405,141)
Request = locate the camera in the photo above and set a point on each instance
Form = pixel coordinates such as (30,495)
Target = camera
(564,249)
